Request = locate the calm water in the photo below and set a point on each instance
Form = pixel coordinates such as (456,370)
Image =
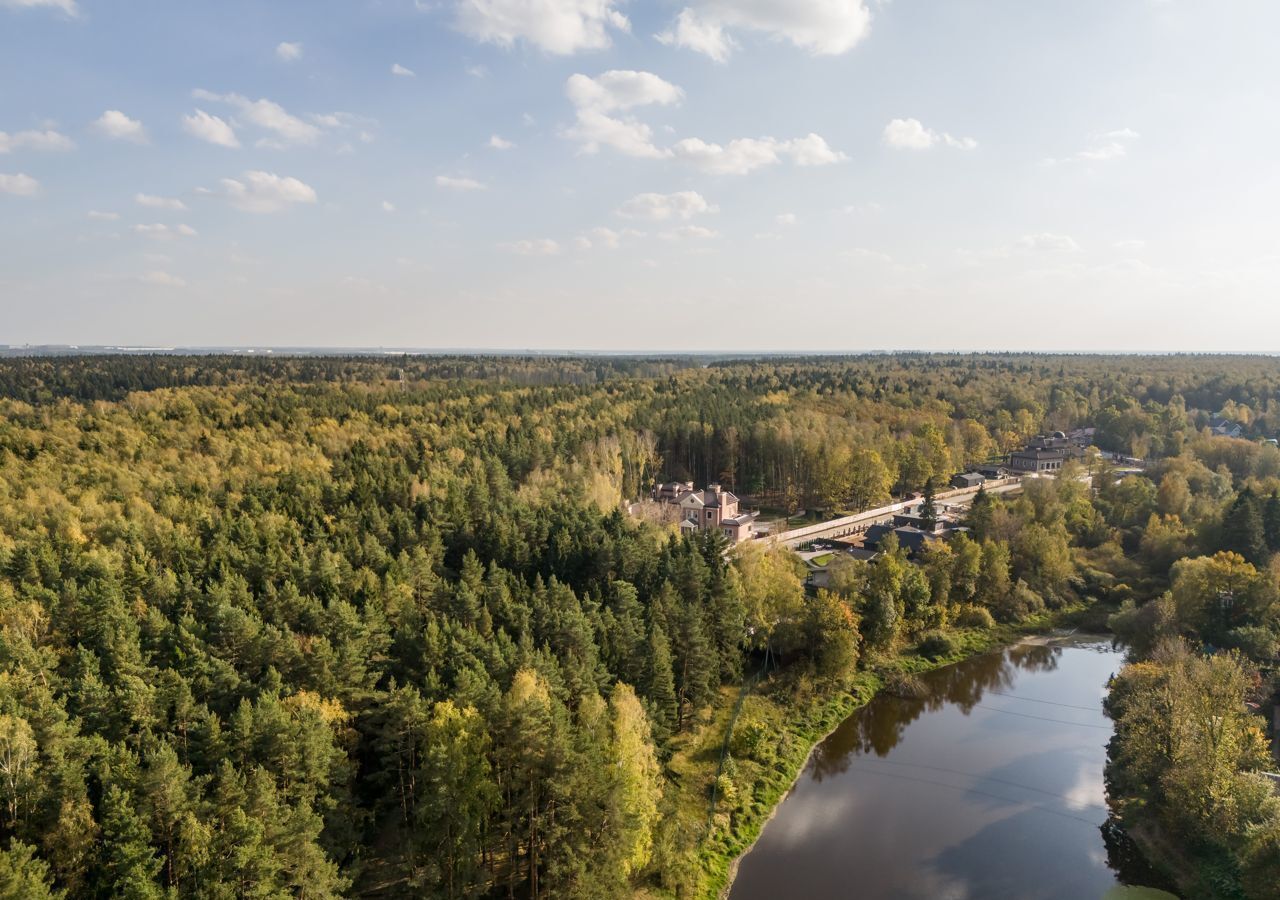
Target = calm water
(989,787)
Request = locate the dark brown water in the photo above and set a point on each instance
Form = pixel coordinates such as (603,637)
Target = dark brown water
(989,787)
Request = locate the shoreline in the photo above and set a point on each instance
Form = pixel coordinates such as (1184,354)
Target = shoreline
(1039,631)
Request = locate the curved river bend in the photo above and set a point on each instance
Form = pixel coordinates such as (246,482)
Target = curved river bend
(990,786)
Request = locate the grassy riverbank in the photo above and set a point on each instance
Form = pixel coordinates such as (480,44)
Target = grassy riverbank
(780,721)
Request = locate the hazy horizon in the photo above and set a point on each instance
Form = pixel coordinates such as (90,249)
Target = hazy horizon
(701,176)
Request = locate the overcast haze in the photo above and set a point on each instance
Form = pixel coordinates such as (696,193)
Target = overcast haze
(699,174)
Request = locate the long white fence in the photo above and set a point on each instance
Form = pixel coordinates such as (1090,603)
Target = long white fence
(858,521)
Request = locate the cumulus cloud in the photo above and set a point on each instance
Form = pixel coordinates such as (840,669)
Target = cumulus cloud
(35,140)
(910,134)
(698,34)
(267,115)
(820,27)
(458,184)
(288,51)
(210,128)
(604,237)
(1102,147)
(1048,242)
(153,202)
(97,216)
(500,143)
(264,192)
(538,247)
(787,219)
(159,278)
(745,155)
(661,207)
(388,206)
(397,69)
(603,104)
(19,185)
(162,232)
(559,27)
(596,100)
(689,232)
(117,126)
(67,7)
(621,89)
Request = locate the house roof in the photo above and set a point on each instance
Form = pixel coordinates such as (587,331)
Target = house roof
(700,499)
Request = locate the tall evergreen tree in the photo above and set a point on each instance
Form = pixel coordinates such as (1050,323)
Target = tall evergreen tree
(1243,528)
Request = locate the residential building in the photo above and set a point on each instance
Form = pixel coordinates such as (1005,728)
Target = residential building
(713,509)
(1221,427)
(1045,454)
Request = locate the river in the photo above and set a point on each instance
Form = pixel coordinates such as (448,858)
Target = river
(989,786)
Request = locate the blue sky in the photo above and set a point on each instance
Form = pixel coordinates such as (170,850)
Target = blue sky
(595,174)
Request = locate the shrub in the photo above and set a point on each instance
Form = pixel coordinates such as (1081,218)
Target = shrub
(934,644)
(908,687)
(975,617)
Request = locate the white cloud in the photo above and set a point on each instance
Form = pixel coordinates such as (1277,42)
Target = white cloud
(621,89)
(559,27)
(116,125)
(68,7)
(1046,241)
(35,140)
(628,136)
(268,115)
(161,232)
(617,91)
(388,206)
(19,185)
(910,134)
(698,34)
(745,155)
(500,143)
(821,27)
(1130,244)
(288,51)
(1103,147)
(264,192)
(459,184)
(397,69)
(598,99)
(661,207)
(787,219)
(538,247)
(689,232)
(158,278)
(210,128)
(97,216)
(153,202)
(477,71)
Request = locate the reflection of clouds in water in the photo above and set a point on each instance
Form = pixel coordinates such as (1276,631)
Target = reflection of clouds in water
(815,810)
(1088,790)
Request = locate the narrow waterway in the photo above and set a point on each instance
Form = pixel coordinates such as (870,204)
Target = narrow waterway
(988,786)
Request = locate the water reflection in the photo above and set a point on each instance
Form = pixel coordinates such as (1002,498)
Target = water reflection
(987,785)
(880,727)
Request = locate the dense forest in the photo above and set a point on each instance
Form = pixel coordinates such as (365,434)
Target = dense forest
(321,627)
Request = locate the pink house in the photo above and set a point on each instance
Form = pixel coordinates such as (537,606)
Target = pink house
(714,508)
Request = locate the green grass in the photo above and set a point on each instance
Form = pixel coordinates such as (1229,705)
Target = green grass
(823,559)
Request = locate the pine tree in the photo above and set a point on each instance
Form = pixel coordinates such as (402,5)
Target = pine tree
(929,508)
(24,875)
(129,864)
(1271,521)
(1243,530)
(660,686)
